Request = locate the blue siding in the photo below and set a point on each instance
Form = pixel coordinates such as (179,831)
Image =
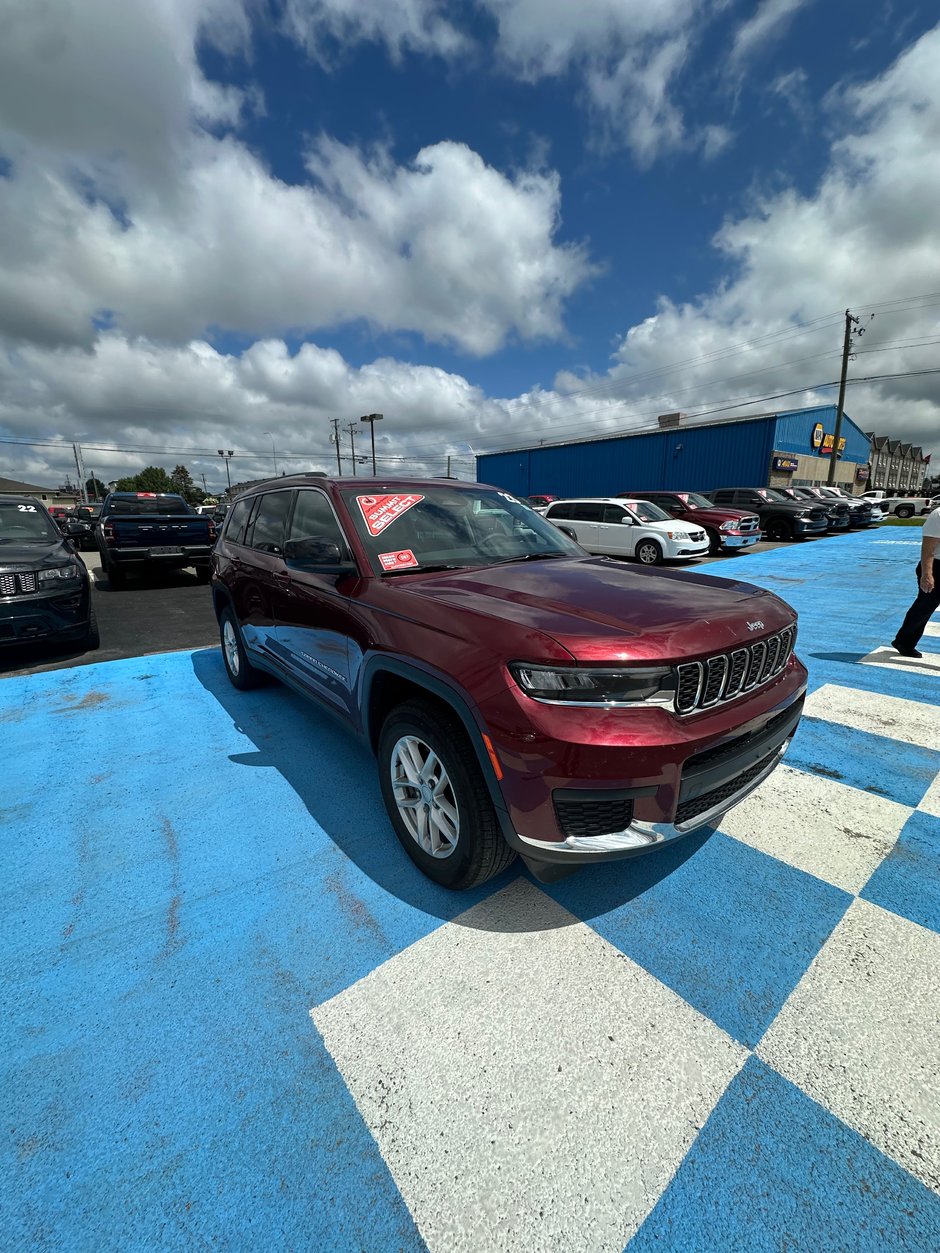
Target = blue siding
(690,458)
(794,432)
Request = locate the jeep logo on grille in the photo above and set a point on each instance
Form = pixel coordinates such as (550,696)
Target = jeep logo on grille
(755,626)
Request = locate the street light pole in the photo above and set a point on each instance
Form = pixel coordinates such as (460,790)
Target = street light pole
(226,457)
(273,452)
(372,418)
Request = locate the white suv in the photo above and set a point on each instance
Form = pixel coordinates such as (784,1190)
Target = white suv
(628,528)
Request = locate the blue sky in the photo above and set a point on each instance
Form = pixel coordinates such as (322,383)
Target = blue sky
(494,221)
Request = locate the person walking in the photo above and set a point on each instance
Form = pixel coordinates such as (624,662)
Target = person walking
(928,590)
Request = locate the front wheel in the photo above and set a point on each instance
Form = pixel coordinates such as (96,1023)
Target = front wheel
(714,542)
(242,674)
(93,638)
(437,798)
(779,529)
(648,552)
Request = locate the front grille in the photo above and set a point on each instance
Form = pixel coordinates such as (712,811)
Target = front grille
(726,675)
(711,800)
(730,748)
(818,515)
(11,584)
(593,817)
(697,535)
(749,524)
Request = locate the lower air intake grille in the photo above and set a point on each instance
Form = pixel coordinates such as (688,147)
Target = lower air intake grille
(593,817)
(709,800)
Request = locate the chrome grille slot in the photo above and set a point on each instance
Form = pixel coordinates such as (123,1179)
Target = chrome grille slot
(688,686)
(27,582)
(715,670)
(7,584)
(773,651)
(755,665)
(736,672)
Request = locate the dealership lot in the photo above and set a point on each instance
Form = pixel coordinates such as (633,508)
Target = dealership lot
(236,1013)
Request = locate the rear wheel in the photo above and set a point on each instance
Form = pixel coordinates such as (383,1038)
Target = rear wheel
(116,577)
(437,798)
(779,529)
(648,552)
(905,511)
(93,638)
(203,573)
(242,674)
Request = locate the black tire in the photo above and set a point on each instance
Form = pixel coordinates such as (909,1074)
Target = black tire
(203,574)
(779,529)
(478,851)
(714,542)
(905,511)
(241,673)
(648,553)
(116,577)
(93,638)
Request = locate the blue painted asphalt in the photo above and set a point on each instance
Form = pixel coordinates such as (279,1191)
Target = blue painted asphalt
(187,870)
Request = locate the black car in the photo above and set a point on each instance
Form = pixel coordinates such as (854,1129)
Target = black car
(44,587)
(837,511)
(780,518)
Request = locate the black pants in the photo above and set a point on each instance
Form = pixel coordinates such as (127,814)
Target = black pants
(915,623)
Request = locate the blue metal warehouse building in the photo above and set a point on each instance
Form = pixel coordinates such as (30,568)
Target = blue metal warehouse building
(768,449)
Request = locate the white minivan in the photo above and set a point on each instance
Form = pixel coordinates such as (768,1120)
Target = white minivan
(628,528)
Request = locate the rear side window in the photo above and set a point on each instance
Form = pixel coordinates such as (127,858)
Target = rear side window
(313,518)
(237,521)
(588,511)
(559,511)
(270,526)
(723,498)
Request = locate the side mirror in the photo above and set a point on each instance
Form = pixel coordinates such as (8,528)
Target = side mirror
(627,522)
(318,553)
(567,530)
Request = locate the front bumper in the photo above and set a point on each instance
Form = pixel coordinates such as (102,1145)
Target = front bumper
(44,615)
(602,784)
(740,539)
(684,550)
(810,527)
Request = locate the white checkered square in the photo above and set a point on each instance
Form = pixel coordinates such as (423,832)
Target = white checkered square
(528,1085)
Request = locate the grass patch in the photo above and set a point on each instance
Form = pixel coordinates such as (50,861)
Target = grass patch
(903,522)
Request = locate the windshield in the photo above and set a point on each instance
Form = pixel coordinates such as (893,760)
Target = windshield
(770,493)
(646,511)
(25,523)
(697,501)
(454,528)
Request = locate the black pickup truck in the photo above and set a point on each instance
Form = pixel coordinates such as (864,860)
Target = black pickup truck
(146,531)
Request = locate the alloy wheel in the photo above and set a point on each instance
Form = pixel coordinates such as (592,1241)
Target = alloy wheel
(425,796)
(230,645)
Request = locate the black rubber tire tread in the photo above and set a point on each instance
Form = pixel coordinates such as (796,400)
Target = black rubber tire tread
(659,559)
(93,638)
(116,578)
(486,853)
(779,530)
(714,542)
(203,573)
(248,677)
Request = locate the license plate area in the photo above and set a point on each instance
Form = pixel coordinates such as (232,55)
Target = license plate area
(166,550)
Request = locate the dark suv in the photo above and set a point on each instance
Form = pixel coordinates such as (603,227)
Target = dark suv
(780,518)
(520,695)
(728,530)
(44,586)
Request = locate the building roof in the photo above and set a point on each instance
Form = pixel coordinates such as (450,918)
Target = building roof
(17,488)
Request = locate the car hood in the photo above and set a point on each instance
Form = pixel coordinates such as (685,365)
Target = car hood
(600,610)
(718,515)
(15,555)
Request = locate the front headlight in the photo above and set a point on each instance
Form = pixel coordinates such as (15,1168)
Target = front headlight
(730,525)
(588,686)
(60,574)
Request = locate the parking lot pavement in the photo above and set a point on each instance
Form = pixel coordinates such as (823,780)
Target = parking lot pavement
(237,1015)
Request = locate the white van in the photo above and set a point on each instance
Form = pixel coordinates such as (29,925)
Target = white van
(614,527)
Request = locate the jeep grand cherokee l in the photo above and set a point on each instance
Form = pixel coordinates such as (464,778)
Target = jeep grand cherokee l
(521,696)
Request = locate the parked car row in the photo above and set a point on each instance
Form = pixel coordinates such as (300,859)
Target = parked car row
(657,526)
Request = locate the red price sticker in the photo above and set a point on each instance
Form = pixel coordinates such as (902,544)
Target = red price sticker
(403,560)
(381,511)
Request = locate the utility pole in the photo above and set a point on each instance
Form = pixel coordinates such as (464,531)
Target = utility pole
(205,486)
(226,455)
(83,491)
(850,321)
(339,464)
(351,428)
(448,465)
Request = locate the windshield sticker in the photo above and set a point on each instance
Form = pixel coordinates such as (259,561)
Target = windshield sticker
(25,508)
(381,511)
(403,560)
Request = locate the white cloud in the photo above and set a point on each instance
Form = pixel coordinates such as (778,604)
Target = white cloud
(768,23)
(325,27)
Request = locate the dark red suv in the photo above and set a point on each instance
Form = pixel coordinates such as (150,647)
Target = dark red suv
(520,695)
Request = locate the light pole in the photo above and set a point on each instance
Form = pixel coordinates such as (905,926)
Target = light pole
(372,418)
(273,452)
(226,457)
